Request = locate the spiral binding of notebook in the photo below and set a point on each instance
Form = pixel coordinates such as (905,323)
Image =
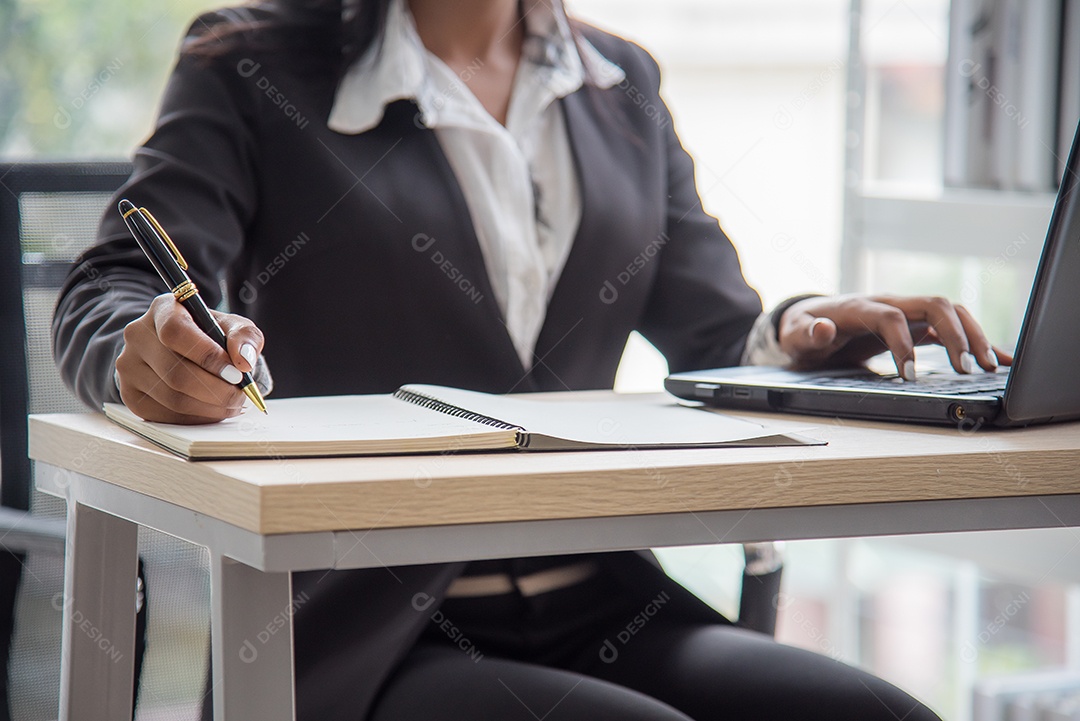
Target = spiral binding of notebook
(435,404)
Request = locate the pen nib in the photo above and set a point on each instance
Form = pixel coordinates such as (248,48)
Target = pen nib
(252,392)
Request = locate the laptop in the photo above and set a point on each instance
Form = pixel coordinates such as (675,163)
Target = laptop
(1043,385)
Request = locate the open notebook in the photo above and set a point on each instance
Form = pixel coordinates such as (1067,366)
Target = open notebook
(436,419)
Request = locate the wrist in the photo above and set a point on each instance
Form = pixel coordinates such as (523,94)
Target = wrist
(778,312)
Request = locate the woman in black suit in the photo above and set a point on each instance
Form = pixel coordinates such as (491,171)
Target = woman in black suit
(482,194)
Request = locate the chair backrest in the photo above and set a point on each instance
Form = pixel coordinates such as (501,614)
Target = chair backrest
(49,213)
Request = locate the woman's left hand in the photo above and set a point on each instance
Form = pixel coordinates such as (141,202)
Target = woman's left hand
(849,329)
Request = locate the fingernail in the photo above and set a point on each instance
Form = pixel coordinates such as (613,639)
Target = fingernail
(967,362)
(248,351)
(991,358)
(231,374)
(908,372)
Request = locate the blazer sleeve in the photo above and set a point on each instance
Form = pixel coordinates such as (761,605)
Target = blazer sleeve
(701,309)
(196,174)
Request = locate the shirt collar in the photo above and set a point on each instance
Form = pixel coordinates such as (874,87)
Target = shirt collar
(396,67)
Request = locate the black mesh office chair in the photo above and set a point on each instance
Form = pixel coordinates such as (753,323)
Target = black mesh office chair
(49,214)
(759,598)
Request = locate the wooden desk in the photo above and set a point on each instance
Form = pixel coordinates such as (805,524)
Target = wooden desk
(262,519)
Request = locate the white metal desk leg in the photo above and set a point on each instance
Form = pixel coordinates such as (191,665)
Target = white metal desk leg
(251,637)
(101,563)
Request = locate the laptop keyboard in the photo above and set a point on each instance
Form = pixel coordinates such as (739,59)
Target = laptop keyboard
(943,384)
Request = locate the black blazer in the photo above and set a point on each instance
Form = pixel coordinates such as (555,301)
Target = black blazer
(357,257)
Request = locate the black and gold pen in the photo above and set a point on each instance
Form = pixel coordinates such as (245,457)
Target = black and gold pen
(170,265)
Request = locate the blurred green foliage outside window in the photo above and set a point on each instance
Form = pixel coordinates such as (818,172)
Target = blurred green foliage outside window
(83,78)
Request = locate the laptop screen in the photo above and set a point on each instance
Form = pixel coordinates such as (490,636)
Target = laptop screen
(1045,379)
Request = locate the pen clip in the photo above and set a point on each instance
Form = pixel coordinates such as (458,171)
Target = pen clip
(165,237)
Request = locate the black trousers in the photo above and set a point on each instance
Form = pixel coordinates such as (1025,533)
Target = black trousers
(580,654)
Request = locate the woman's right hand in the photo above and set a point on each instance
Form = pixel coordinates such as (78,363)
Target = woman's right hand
(172,372)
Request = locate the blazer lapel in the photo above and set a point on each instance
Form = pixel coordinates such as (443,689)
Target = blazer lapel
(466,241)
(609,213)
(564,312)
